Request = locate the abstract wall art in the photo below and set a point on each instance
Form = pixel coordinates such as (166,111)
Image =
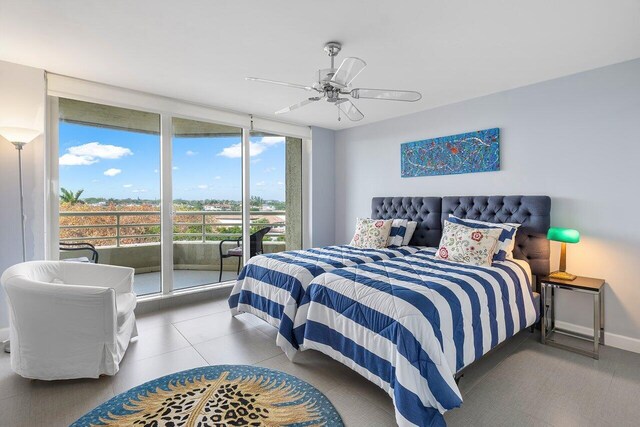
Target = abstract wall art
(464,153)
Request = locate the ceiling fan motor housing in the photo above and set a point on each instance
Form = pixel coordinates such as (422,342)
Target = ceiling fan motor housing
(332,94)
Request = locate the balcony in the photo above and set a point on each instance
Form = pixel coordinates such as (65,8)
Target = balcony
(132,239)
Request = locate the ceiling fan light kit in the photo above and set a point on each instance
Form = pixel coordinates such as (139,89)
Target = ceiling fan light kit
(334,84)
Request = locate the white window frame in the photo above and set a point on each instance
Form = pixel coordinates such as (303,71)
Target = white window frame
(59,86)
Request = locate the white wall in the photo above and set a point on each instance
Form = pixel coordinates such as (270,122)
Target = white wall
(575,139)
(22,104)
(322,187)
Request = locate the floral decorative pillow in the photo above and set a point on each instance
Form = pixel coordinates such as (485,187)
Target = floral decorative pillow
(371,233)
(469,245)
(506,241)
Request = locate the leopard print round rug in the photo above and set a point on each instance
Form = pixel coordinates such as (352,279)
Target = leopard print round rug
(224,395)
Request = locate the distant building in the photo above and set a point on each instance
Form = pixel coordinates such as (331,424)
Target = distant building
(217,207)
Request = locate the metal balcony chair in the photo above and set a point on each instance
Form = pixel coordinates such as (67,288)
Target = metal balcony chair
(255,248)
(66,246)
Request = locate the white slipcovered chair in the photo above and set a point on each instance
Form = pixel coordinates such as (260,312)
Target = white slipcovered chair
(69,320)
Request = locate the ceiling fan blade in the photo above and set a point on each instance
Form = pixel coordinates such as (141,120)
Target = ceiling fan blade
(350,110)
(276,82)
(348,70)
(298,105)
(387,94)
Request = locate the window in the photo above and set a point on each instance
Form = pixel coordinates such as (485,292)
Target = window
(207,202)
(276,190)
(109,160)
(164,193)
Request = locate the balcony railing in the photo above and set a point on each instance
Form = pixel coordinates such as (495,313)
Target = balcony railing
(197,226)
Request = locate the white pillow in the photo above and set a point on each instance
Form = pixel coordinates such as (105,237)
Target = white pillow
(398,230)
(411,228)
(468,245)
(371,233)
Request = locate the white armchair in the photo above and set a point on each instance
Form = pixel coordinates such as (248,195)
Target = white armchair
(69,320)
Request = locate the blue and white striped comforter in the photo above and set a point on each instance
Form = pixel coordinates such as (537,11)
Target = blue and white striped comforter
(271,286)
(409,324)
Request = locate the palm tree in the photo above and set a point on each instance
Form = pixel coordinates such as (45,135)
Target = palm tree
(257,201)
(70,197)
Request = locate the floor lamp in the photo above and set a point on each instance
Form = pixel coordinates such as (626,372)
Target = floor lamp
(19,137)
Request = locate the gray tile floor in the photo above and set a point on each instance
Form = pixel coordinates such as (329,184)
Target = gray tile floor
(521,384)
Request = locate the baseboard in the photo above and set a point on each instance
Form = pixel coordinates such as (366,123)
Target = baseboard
(610,339)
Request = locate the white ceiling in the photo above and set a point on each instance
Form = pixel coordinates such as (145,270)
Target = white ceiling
(202,50)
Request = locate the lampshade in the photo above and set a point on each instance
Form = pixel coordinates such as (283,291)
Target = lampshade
(19,135)
(565,235)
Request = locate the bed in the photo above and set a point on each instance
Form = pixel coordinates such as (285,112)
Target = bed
(411,324)
(271,286)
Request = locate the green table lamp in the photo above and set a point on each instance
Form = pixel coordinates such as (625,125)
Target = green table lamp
(563,235)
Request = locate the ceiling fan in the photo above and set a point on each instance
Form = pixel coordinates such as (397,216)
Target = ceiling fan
(334,85)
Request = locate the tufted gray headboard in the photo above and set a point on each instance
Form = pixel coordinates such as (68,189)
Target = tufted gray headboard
(426,211)
(533,212)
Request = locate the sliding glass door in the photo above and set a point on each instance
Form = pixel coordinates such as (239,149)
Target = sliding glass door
(276,192)
(207,203)
(164,194)
(109,186)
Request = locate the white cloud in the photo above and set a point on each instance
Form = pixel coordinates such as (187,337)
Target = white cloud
(92,152)
(280,183)
(175,168)
(255,147)
(73,160)
(128,185)
(218,177)
(112,172)
(191,153)
(235,151)
(139,190)
(101,151)
(155,170)
(260,184)
(203,186)
(269,170)
(271,140)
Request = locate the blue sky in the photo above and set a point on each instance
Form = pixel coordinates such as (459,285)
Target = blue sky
(122,164)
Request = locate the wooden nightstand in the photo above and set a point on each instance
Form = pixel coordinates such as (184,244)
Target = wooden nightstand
(586,285)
